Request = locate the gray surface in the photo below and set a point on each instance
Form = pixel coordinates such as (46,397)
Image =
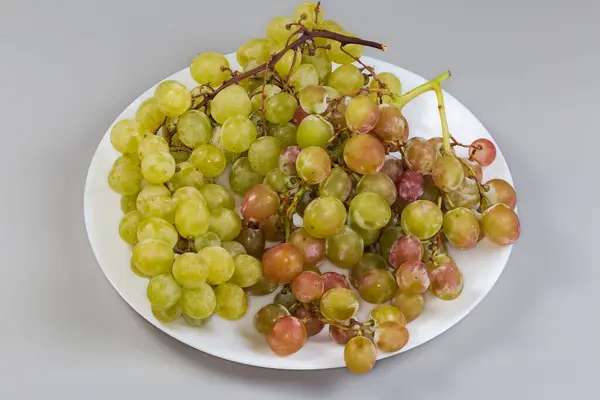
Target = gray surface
(527,69)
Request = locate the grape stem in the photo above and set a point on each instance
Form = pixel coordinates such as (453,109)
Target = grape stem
(442,110)
(419,90)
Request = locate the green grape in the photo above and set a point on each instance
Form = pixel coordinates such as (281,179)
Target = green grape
(129,225)
(238,133)
(421,218)
(387,313)
(167,314)
(377,286)
(234,248)
(195,322)
(262,288)
(150,198)
(466,195)
(346,79)
(369,236)
(125,179)
(209,160)
(501,224)
(233,100)
(128,203)
(156,228)
(127,161)
(286,64)
(187,193)
(431,192)
(248,271)
(186,175)
(285,298)
(135,270)
(225,222)
(257,50)
(324,217)
(242,177)
(345,248)
(266,317)
(419,155)
(210,68)
(368,262)
(411,305)
(362,114)
(216,141)
(338,184)
(305,75)
(307,10)
(277,179)
(364,154)
(337,55)
(231,301)
(209,239)
(198,303)
(333,93)
(192,218)
(194,128)
(264,154)
(391,82)
(153,257)
(360,355)
(173,98)
(461,228)
(370,211)
(157,206)
(313,99)
(152,144)
(378,183)
(216,196)
(391,125)
(163,291)
(313,165)
(286,133)
(277,31)
(220,264)
(280,108)
(314,130)
(179,154)
(158,167)
(257,97)
(150,115)
(447,173)
(320,61)
(339,304)
(126,135)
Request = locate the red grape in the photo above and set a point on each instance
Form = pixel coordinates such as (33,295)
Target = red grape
(472,169)
(482,151)
(299,115)
(420,155)
(341,335)
(390,336)
(364,154)
(406,248)
(282,263)
(333,280)
(259,203)
(311,321)
(461,227)
(412,277)
(391,124)
(392,167)
(447,281)
(308,286)
(287,159)
(362,113)
(410,185)
(312,249)
(287,336)
(273,228)
(253,240)
(499,191)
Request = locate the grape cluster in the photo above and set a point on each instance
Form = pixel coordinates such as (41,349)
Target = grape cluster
(302,138)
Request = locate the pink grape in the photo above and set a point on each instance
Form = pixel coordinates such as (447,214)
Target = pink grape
(410,185)
(420,155)
(390,336)
(472,169)
(287,160)
(311,321)
(447,281)
(501,224)
(362,114)
(499,191)
(312,249)
(412,277)
(392,167)
(287,336)
(299,115)
(406,248)
(391,126)
(308,287)
(341,335)
(482,151)
(364,154)
(282,263)
(259,203)
(333,280)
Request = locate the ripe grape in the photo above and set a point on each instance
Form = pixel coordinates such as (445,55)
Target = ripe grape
(242,177)
(310,319)
(153,257)
(225,222)
(360,355)
(266,317)
(128,203)
(377,286)
(438,145)
(172,98)
(216,141)
(158,167)
(216,196)
(305,13)
(410,304)
(412,277)
(313,99)
(163,291)
(368,262)
(391,82)
(324,217)
(248,271)
(167,314)
(390,336)
(483,151)
(190,271)
(332,280)
(370,210)
(152,144)
(391,125)
(370,236)
(257,97)
(405,249)
(387,313)
(308,287)
(346,79)
(129,225)
(125,179)
(259,203)
(447,173)
(339,56)
(499,191)
(286,133)
(282,263)
(312,249)
(220,264)
(287,336)
(314,130)
(264,154)
(378,183)
(286,65)
(501,224)
(313,165)
(194,128)
(253,241)
(392,167)
(210,68)
(285,297)
(238,133)
(345,248)
(209,160)
(342,335)
(150,115)
(262,288)
(461,228)
(186,175)
(198,303)
(320,61)
(277,180)
(273,229)
(447,281)
(305,75)
(472,169)
(420,155)
(362,114)
(387,239)
(466,195)
(253,50)
(156,228)
(192,218)
(410,185)
(277,31)
(195,322)
(421,218)
(233,100)
(337,184)
(287,160)
(155,201)
(233,248)
(339,304)
(231,301)
(364,154)
(299,115)
(280,108)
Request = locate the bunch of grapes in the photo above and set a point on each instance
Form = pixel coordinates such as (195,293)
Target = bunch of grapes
(299,138)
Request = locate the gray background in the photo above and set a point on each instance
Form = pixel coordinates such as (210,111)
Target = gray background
(527,69)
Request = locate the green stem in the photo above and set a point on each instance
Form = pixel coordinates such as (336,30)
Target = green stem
(419,90)
(442,109)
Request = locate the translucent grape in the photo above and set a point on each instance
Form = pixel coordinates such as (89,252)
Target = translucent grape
(314,130)
(233,100)
(163,291)
(220,264)
(419,155)
(150,115)
(387,313)
(195,322)
(337,184)
(277,31)
(254,49)
(324,217)
(282,263)
(280,108)
(312,249)
(421,218)
(368,262)
(187,193)
(192,218)
(392,167)
(378,183)
(412,277)
(129,225)
(342,335)
(346,78)
(377,286)
(287,336)
(225,222)
(277,180)
(305,75)
(156,228)
(155,201)
(391,125)
(128,203)
(152,144)
(307,11)
(320,61)
(390,336)
(209,160)
(234,249)
(242,177)
(167,314)
(172,98)
(313,165)
(391,82)
(210,68)
(369,236)
(158,167)
(248,271)
(273,229)
(499,191)
(259,203)
(264,154)
(313,99)
(447,281)
(194,128)
(125,178)
(447,173)
(216,196)
(232,303)
(266,317)
(216,141)
(461,228)
(253,241)
(209,239)
(308,287)
(286,64)
(501,225)
(186,175)
(360,355)
(466,195)
(362,114)
(370,211)
(339,304)
(482,151)
(262,288)
(286,133)
(126,135)
(153,257)
(332,280)
(411,305)
(198,303)
(364,154)
(345,248)
(406,249)
(339,56)
(257,97)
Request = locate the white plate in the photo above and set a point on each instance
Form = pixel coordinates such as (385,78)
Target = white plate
(238,341)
